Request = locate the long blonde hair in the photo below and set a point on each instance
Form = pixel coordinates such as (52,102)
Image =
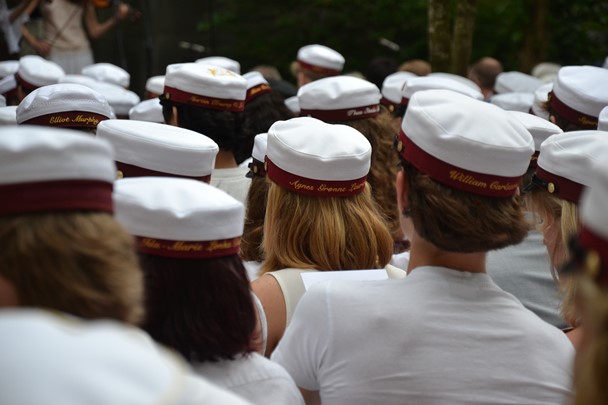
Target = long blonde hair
(324,233)
(565,213)
(80,263)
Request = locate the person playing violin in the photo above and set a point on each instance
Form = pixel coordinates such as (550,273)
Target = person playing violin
(66,25)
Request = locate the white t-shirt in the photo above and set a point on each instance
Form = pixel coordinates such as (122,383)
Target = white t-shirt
(233,181)
(439,336)
(254,378)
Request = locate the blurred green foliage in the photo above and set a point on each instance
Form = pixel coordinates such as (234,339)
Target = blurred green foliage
(271,32)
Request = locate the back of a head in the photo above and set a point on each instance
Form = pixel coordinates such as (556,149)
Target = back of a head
(51,358)
(318,61)
(318,194)
(188,236)
(63,250)
(484,72)
(464,159)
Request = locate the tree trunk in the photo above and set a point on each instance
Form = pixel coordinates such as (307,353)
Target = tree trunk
(439,34)
(462,40)
(534,48)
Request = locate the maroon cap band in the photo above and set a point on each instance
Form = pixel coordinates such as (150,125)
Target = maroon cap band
(590,241)
(221,104)
(188,249)
(405,101)
(534,160)
(318,188)
(488,185)
(127,170)
(68,119)
(560,186)
(319,69)
(256,91)
(24,83)
(571,115)
(346,114)
(62,195)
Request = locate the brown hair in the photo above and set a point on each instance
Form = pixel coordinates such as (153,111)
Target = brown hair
(458,221)
(324,233)
(379,132)
(203,308)
(560,121)
(251,242)
(81,263)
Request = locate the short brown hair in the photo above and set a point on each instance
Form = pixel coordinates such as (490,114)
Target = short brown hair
(324,233)
(81,263)
(458,221)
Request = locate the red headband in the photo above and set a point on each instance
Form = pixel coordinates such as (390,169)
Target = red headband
(188,249)
(575,117)
(534,160)
(25,84)
(319,69)
(256,91)
(593,242)
(318,188)
(560,186)
(221,104)
(60,195)
(488,185)
(345,114)
(68,119)
(127,170)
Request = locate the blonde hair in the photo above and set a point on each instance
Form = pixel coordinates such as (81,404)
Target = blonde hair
(383,171)
(324,233)
(565,212)
(80,263)
(591,366)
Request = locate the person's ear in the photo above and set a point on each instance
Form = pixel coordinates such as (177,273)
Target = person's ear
(553,119)
(174,120)
(402,190)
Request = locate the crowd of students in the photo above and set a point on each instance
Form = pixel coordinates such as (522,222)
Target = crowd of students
(441,239)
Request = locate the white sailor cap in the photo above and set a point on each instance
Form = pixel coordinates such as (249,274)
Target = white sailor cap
(539,128)
(148,110)
(222,61)
(179,217)
(155,84)
(256,85)
(593,236)
(416,84)
(108,73)
(258,155)
(151,149)
(64,105)
(35,71)
(513,101)
(465,143)
(339,98)
(392,87)
(8,85)
(51,357)
(516,82)
(546,71)
(463,80)
(79,79)
(175,66)
(120,99)
(579,94)
(307,156)
(51,169)
(602,122)
(541,97)
(566,159)
(8,115)
(206,86)
(8,67)
(320,59)
(2,101)
(293,104)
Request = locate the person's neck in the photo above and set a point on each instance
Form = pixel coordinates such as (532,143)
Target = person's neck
(225,160)
(424,253)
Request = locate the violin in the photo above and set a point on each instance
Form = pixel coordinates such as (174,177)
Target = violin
(133,15)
